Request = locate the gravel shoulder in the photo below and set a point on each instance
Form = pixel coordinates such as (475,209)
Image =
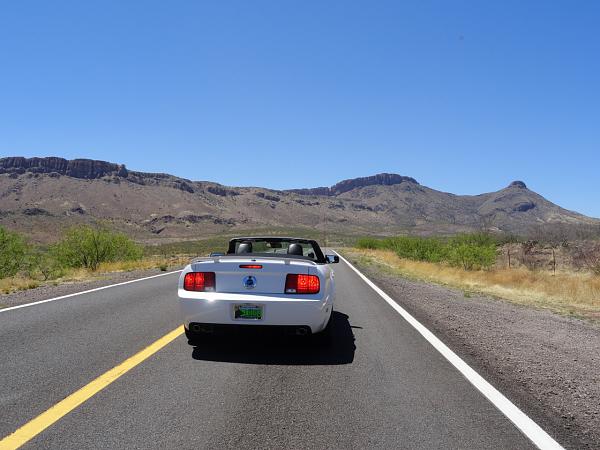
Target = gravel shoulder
(50,291)
(548,365)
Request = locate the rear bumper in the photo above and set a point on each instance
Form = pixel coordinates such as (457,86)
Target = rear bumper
(215,308)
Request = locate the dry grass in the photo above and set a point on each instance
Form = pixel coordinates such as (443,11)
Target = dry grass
(566,292)
(19,283)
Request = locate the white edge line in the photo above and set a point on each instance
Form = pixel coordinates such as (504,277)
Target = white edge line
(527,426)
(25,305)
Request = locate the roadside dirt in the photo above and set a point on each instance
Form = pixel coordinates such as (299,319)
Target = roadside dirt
(50,291)
(548,365)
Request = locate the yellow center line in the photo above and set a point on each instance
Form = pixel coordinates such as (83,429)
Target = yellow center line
(65,406)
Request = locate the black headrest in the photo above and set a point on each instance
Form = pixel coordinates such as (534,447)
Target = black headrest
(245,247)
(295,249)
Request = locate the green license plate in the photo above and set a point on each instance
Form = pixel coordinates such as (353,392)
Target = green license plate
(248,312)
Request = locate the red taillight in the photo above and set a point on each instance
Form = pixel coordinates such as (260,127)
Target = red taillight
(302,284)
(199,281)
(250,266)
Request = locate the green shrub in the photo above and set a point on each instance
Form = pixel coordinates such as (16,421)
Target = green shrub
(418,249)
(13,251)
(370,243)
(472,257)
(45,264)
(472,251)
(85,246)
(469,251)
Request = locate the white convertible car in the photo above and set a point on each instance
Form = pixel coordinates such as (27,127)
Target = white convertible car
(274,283)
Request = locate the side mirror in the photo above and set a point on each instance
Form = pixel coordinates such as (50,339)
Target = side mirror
(213,254)
(332,259)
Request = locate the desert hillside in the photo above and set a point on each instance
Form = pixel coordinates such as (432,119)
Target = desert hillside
(41,196)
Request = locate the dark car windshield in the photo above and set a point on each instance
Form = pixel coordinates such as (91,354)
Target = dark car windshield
(288,247)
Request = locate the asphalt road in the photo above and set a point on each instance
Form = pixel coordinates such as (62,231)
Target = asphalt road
(378,385)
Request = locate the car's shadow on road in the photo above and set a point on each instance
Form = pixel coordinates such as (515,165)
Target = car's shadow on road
(255,348)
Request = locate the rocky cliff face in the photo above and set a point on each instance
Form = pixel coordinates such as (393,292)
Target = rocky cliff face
(88,169)
(381,179)
(76,168)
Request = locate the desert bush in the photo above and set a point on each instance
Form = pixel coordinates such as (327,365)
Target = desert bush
(369,243)
(472,251)
(472,257)
(469,251)
(418,249)
(13,251)
(85,246)
(46,265)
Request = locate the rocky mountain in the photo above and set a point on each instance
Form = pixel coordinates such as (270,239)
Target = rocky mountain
(381,179)
(42,196)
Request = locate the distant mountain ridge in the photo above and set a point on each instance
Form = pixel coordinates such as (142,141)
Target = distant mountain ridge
(90,169)
(86,169)
(381,179)
(41,196)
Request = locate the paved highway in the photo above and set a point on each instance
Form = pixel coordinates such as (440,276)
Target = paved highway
(380,384)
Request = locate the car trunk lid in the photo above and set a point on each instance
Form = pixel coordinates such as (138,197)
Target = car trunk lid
(252,276)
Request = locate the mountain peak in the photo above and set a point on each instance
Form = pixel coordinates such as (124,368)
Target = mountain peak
(518,184)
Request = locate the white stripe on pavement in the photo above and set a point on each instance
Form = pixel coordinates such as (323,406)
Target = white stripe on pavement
(25,305)
(527,426)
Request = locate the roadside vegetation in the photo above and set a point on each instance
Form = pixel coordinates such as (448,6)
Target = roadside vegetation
(13,251)
(476,264)
(83,252)
(467,251)
(547,269)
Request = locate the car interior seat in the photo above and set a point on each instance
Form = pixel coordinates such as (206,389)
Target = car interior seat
(295,249)
(244,247)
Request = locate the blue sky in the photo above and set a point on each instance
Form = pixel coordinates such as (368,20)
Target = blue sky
(463,96)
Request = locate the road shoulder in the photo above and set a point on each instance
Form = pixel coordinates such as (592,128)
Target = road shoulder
(548,365)
(52,291)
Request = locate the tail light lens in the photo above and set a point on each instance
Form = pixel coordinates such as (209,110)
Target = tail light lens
(250,266)
(302,284)
(199,281)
